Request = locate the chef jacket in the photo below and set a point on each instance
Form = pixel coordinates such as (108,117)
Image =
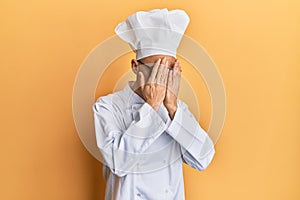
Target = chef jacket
(143,149)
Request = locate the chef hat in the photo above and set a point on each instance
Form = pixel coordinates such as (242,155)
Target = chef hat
(157,31)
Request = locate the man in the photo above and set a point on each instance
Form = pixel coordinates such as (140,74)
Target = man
(144,132)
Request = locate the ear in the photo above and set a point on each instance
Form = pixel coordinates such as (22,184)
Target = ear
(134,65)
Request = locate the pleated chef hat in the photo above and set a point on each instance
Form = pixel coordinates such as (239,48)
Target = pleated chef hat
(157,31)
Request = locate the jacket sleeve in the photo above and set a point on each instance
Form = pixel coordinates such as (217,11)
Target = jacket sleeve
(121,148)
(197,147)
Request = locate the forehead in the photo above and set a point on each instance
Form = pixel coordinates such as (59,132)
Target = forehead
(152,59)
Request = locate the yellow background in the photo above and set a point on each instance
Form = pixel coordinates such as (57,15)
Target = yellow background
(255,45)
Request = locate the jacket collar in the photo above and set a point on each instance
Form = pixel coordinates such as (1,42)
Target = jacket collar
(134,101)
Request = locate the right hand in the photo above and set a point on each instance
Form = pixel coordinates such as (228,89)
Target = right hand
(154,89)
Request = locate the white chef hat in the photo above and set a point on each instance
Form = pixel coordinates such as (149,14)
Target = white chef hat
(157,31)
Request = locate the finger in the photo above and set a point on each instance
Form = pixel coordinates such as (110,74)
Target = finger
(164,60)
(178,70)
(177,74)
(179,66)
(170,79)
(159,75)
(176,66)
(165,74)
(154,71)
(176,82)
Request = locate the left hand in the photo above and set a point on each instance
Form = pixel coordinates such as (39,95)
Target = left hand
(173,85)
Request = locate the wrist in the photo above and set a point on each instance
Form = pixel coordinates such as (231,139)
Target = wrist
(171,106)
(172,110)
(155,106)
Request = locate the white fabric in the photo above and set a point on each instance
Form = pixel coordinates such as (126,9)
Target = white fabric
(157,31)
(141,167)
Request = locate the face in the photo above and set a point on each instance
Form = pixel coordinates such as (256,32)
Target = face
(149,61)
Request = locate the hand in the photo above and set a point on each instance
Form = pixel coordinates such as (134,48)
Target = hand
(154,90)
(173,85)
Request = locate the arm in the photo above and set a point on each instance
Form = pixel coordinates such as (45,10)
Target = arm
(121,148)
(197,147)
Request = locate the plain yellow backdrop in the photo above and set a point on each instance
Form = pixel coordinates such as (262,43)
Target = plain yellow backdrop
(255,45)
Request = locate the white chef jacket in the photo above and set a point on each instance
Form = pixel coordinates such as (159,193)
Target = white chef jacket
(143,150)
